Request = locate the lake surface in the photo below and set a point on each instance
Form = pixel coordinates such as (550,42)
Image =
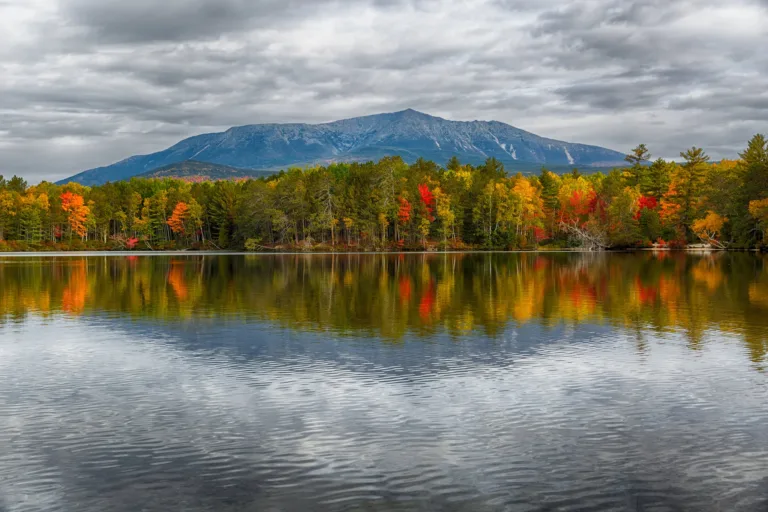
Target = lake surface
(459,382)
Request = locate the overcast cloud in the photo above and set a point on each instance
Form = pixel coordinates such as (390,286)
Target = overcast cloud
(89,82)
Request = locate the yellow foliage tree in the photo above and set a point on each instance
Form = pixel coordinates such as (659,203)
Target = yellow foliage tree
(444,213)
(759,210)
(708,229)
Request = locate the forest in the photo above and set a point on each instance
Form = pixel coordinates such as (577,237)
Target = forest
(390,205)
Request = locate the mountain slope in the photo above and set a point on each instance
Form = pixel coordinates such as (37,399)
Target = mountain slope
(203,171)
(409,134)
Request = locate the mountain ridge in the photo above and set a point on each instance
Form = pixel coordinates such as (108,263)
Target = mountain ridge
(407,133)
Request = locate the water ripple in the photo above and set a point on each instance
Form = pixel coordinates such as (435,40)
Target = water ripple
(95,418)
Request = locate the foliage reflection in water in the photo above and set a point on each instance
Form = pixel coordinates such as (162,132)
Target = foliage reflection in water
(395,295)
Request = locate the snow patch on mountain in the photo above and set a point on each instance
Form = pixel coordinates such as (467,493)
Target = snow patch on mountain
(568,156)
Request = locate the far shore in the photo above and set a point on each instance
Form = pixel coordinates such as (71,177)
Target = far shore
(274,253)
(31,254)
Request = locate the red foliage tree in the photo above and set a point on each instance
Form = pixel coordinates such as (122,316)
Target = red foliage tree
(428,200)
(404,213)
(580,206)
(645,203)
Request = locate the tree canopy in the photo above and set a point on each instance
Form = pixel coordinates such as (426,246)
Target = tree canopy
(390,205)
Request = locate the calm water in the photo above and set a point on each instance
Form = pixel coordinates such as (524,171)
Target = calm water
(383,382)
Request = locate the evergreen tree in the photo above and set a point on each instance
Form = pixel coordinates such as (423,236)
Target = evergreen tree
(754,186)
(637,173)
(689,181)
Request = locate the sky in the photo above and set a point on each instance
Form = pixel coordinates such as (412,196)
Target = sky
(86,83)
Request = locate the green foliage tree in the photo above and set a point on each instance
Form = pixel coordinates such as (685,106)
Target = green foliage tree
(689,178)
(636,174)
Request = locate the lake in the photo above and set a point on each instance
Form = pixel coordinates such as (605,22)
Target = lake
(458,382)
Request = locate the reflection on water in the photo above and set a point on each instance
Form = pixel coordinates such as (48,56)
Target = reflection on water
(422,382)
(409,295)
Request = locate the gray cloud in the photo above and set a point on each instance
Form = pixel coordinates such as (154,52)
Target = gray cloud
(140,21)
(88,82)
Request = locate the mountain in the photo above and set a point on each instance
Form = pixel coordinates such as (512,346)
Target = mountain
(409,134)
(193,170)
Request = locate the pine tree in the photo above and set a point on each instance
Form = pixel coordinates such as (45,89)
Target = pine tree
(754,164)
(636,174)
(689,179)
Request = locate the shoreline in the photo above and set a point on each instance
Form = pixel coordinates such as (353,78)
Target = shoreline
(29,254)
(50,254)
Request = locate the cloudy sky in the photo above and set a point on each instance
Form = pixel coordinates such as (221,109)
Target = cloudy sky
(88,82)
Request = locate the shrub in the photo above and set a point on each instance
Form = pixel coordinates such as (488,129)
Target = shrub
(677,244)
(252,244)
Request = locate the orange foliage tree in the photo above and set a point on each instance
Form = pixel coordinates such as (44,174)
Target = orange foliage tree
(179,218)
(77,212)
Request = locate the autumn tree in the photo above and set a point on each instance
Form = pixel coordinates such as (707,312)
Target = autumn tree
(708,229)
(403,214)
(687,183)
(581,213)
(623,226)
(758,209)
(77,213)
(529,208)
(7,211)
(179,218)
(427,199)
(445,214)
(754,187)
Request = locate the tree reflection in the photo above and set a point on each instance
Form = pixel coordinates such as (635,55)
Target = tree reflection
(390,296)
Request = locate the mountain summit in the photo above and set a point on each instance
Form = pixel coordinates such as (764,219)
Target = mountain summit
(408,133)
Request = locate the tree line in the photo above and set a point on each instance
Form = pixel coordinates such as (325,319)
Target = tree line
(390,205)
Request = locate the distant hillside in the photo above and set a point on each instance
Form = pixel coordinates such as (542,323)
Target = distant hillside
(193,170)
(410,134)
